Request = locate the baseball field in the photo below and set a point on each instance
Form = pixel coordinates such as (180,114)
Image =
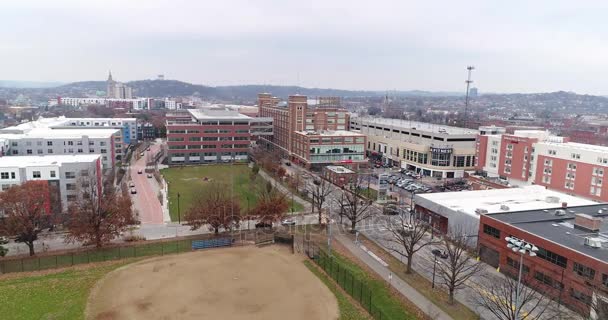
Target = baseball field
(235,283)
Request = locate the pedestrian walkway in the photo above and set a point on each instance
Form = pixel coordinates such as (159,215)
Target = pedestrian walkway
(284,190)
(433,311)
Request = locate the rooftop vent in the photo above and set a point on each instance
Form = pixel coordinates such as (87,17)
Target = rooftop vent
(504,207)
(480,211)
(552,199)
(560,212)
(587,222)
(593,242)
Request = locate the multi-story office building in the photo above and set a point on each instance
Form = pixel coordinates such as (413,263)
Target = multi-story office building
(117,90)
(429,149)
(536,157)
(298,116)
(317,149)
(212,135)
(571,264)
(63,173)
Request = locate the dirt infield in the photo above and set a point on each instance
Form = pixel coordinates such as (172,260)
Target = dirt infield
(233,283)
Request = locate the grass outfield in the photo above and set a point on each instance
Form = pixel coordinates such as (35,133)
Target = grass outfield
(61,295)
(348,310)
(187,181)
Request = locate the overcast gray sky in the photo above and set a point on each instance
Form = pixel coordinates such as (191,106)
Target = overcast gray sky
(516,46)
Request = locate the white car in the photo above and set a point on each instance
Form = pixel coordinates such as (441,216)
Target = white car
(289,222)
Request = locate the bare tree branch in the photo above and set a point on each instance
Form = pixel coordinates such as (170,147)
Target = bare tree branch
(406,237)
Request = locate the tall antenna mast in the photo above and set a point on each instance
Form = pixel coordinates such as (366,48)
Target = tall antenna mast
(466,101)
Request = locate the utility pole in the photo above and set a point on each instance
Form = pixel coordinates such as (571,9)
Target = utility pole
(466,101)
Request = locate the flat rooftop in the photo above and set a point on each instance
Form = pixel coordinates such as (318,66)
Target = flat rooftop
(49,133)
(560,229)
(331,133)
(415,125)
(339,169)
(499,200)
(62,121)
(217,114)
(578,146)
(46,160)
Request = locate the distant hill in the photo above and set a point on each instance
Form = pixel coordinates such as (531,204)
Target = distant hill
(28,84)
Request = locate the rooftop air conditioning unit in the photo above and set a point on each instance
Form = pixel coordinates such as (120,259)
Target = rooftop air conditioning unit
(560,212)
(480,211)
(504,207)
(552,199)
(593,242)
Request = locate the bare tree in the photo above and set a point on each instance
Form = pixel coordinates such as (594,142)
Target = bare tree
(498,296)
(353,206)
(99,214)
(320,190)
(407,236)
(271,205)
(216,208)
(459,266)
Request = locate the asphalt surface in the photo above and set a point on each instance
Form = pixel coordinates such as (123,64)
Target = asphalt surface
(146,199)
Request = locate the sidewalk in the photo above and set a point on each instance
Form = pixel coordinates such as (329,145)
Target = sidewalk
(410,293)
(284,190)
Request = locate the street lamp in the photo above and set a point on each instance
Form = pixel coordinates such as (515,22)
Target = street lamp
(434,267)
(522,247)
(179,216)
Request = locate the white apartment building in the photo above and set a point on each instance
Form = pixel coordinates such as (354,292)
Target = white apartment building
(64,174)
(429,149)
(45,141)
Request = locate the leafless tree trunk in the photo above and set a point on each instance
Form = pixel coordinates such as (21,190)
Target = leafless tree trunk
(458,267)
(320,190)
(353,206)
(407,238)
(498,296)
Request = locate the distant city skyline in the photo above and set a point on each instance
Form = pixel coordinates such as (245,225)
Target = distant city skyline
(516,46)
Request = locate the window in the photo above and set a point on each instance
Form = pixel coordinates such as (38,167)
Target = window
(546,179)
(29,151)
(91,150)
(509,147)
(552,257)
(572,166)
(102,143)
(598,171)
(103,150)
(70,143)
(194,139)
(552,152)
(569,185)
(80,151)
(36,174)
(12,175)
(548,162)
(4,175)
(39,151)
(489,230)
(596,181)
(545,279)
(605,280)
(584,271)
(52,174)
(49,143)
(71,197)
(70,175)
(84,173)
(515,265)
(580,296)
(70,186)
(575,155)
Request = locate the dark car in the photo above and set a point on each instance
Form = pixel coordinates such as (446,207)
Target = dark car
(439,253)
(263,225)
(391,209)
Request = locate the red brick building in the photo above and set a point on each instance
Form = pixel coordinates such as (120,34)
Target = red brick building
(572,262)
(297,115)
(339,175)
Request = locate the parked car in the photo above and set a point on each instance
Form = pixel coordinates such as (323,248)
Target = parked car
(149,175)
(131,184)
(148,149)
(141,154)
(263,225)
(140,171)
(390,209)
(289,222)
(133,191)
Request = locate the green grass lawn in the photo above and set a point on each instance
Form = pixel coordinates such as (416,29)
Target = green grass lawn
(60,295)
(348,309)
(381,297)
(189,181)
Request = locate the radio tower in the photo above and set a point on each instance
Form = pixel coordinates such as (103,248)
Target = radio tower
(466,101)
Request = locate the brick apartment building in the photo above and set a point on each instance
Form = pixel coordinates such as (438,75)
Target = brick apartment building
(572,262)
(212,135)
(536,157)
(301,129)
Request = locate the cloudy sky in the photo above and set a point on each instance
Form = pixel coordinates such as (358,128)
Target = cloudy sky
(516,46)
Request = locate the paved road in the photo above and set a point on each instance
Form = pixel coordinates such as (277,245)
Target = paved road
(146,200)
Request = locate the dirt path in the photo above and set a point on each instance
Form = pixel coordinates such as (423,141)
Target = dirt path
(234,283)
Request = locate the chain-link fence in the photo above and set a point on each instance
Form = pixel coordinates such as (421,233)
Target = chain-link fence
(124,251)
(355,287)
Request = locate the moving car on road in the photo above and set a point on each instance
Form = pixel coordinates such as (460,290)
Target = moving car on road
(133,191)
(289,222)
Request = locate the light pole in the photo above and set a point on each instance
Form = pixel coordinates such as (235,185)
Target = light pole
(179,216)
(522,247)
(434,267)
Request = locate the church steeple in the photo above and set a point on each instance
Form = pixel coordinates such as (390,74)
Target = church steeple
(110,75)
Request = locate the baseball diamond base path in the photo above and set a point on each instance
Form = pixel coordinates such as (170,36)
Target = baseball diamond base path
(229,284)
